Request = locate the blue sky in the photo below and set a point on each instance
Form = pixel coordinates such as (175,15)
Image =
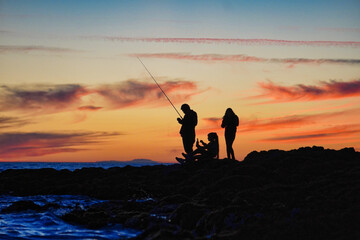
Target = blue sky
(231,19)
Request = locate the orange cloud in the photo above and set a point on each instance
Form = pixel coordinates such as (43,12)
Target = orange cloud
(293,121)
(247,125)
(89,108)
(243,58)
(15,144)
(42,98)
(328,133)
(68,97)
(133,92)
(326,90)
(277,42)
(8,122)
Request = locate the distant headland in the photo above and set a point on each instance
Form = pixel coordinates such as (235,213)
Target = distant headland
(134,161)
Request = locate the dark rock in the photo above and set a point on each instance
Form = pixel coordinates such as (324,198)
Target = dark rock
(21,206)
(93,219)
(139,221)
(174,199)
(164,231)
(187,215)
(51,205)
(308,193)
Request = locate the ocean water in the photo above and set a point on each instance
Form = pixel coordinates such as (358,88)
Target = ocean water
(28,225)
(69,165)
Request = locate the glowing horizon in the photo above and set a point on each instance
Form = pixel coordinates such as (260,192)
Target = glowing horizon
(72,88)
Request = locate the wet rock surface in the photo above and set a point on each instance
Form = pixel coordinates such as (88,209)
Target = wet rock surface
(308,193)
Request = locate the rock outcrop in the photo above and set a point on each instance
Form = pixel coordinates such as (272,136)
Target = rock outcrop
(308,193)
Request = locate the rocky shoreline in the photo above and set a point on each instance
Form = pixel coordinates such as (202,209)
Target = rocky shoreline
(308,193)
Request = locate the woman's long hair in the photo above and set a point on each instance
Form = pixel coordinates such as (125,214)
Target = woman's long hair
(230,119)
(229,113)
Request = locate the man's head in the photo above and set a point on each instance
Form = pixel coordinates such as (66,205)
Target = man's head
(185,108)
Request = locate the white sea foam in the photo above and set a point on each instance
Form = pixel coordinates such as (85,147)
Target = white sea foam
(48,224)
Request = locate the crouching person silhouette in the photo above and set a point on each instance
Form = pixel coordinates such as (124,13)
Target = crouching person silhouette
(204,151)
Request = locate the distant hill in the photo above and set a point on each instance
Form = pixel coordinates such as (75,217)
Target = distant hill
(134,161)
(143,161)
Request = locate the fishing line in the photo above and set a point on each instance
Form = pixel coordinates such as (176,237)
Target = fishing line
(160,88)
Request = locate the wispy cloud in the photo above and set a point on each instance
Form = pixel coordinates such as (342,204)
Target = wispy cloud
(269,124)
(328,133)
(259,125)
(276,42)
(275,123)
(17,144)
(325,90)
(69,97)
(201,57)
(34,48)
(134,93)
(89,108)
(9,122)
(41,98)
(243,58)
(335,134)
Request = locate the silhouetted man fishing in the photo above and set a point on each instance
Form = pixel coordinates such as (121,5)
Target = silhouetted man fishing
(188,123)
(187,130)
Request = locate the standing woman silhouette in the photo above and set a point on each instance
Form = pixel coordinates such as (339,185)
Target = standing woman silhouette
(230,122)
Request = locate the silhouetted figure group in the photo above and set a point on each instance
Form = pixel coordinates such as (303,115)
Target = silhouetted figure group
(204,151)
(208,150)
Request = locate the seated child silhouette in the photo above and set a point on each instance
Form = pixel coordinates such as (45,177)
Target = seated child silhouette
(206,151)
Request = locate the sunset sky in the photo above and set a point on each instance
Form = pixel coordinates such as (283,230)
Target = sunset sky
(72,88)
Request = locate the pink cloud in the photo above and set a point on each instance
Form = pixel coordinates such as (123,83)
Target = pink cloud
(243,58)
(328,133)
(201,57)
(269,124)
(335,134)
(15,144)
(43,99)
(325,90)
(259,125)
(276,42)
(9,122)
(135,93)
(213,121)
(89,108)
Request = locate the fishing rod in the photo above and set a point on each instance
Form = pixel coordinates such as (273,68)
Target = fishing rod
(160,88)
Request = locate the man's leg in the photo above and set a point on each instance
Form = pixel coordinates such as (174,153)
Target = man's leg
(188,142)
